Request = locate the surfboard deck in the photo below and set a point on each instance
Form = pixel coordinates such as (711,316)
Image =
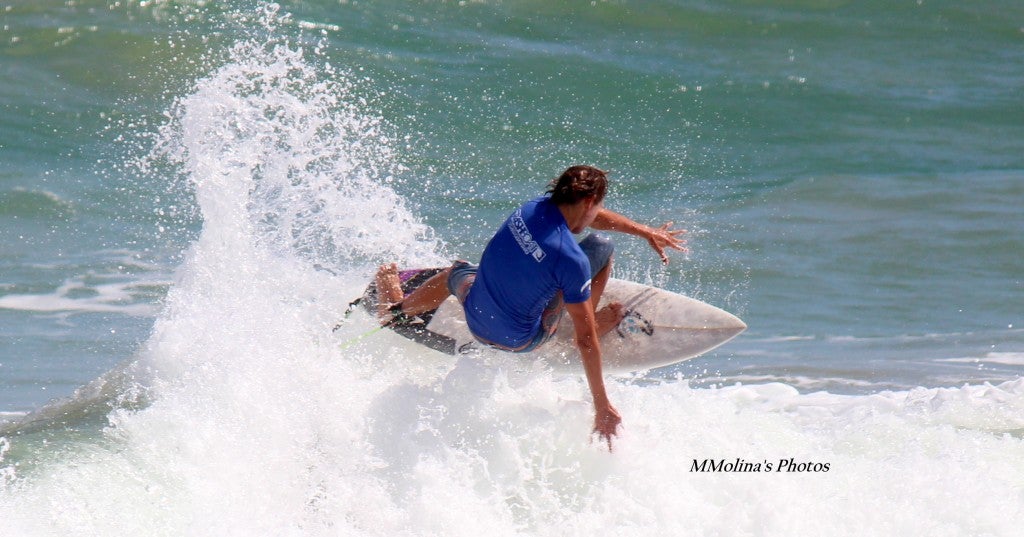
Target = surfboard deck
(660,327)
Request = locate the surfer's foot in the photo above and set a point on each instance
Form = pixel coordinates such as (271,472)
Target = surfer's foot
(389,290)
(609,317)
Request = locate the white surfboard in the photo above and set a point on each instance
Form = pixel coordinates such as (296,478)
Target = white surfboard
(660,328)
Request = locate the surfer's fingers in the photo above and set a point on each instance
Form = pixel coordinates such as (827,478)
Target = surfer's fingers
(659,249)
(671,239)
(667,227)
(603,436)
(668,235)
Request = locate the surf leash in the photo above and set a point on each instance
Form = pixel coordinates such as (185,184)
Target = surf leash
(360,337)
(398,318)
(355,339)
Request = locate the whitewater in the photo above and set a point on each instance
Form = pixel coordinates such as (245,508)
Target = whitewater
(245,413)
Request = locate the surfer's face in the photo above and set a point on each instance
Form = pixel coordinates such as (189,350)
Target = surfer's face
(581,214)
(592,208)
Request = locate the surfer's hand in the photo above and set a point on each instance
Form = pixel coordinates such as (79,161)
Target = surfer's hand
(606,423)
(666,237)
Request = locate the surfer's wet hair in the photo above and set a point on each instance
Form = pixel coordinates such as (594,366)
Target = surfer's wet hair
(578,183)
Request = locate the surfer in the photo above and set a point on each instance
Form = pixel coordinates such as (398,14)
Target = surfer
(532,271)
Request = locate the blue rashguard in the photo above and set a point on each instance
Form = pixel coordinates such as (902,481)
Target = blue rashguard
(531,257)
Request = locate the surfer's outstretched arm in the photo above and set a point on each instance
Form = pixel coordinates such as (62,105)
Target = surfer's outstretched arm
(659,238)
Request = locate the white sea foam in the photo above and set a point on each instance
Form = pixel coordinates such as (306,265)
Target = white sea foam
(125,286)
(798,381)
(76,296)
(1001,358)
(10,416)
(259,424)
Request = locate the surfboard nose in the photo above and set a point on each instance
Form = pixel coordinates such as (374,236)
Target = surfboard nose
(737,323)
(733,330)
(721,326)
(719,319)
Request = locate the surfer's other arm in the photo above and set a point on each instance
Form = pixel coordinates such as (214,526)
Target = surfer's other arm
(606,417)
(659,238)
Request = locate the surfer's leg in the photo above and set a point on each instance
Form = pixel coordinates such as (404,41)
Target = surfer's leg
(429,296)
(461,277)
(599,282)
(389,288)
(612,314)
(599,250)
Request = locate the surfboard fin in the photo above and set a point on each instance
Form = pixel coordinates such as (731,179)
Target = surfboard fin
(348,311)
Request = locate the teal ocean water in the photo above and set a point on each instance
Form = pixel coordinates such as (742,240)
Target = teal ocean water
(191,192)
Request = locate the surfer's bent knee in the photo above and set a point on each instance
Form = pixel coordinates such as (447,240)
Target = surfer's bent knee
(461,276)
(599,250)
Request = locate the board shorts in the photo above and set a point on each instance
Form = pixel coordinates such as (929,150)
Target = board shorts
(598,250)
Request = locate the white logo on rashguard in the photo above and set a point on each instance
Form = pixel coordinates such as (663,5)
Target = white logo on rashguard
(585,286)
(522,234)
